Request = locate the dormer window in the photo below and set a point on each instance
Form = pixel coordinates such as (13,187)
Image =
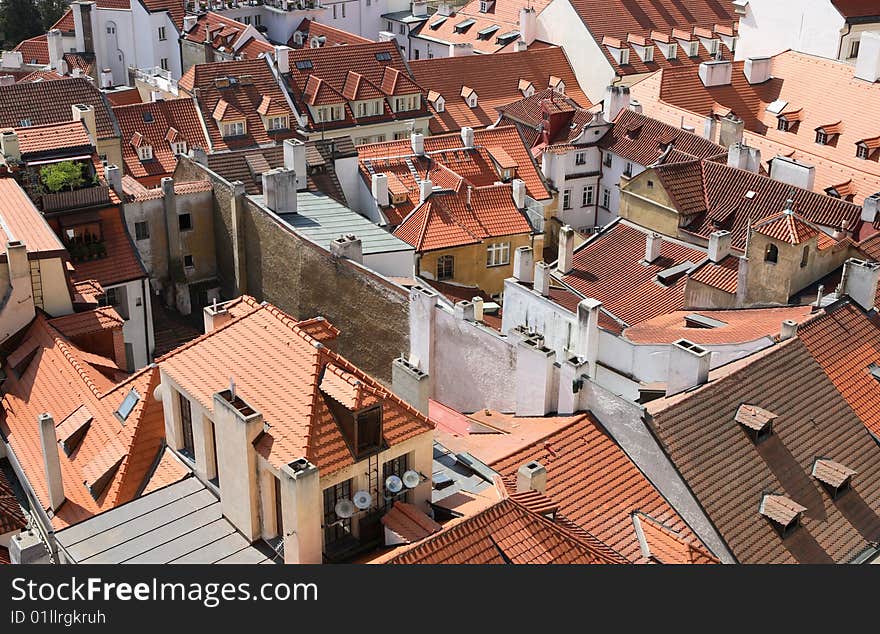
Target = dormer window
(557,84)
(437,101)
(369,108)
(406,103)
(526,88)
(486,5)
(470,96)
(277,123)
(145,152)
(757,421)
(671,50)
(624,56)
(486,33)
(693,49)
(782,124)
(233,129)
(784,512)
(867,148)
(178,148)
(821,137)
(464,25)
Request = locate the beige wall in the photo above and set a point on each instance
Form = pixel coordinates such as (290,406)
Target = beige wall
(645,202)
(112,149)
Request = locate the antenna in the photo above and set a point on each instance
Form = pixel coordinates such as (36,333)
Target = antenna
(411,479)
(344,508)
(393,484)
(362,500)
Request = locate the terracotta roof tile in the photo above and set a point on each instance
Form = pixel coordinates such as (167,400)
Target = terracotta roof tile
(175,8)
(34,51)
(332,36)
(663,545)
(787,227)
(409,523)
(723,275)
(122,263)
(168,471)
(11,516)
(125,97)
(23,222)
(41,140)
(88,322)
(65,24)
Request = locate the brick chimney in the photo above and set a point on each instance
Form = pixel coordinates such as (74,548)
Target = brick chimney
(554,121)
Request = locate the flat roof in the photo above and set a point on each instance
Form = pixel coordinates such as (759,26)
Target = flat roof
(180,523)
(322,219)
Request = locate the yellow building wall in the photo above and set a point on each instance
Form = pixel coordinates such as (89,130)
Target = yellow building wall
(645,202)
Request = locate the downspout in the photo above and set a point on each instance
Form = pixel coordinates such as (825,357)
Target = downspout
(146,286)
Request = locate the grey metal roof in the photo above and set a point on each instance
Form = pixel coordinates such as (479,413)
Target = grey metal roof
(452,474)
(180,523)
(322,219)
(405,16)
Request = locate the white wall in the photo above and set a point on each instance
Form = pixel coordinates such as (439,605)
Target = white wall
(138,328)
(149,50)
(525,307)
(392,264)
(770,27)
(109,46)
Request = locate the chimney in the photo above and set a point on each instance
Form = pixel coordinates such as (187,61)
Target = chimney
(793,172)
(445,8)
(12,60)
(688,366)
(478,308)
(868,61)
(279,190)
(113,176)
(7,80)
(461,49)
(789,329)
(743,157)
(426,187)
(419,8)
(237,426)
(348,246)
(56,48)
(731,130)
(528,24)
(719,245)
(189,21)
(214,316)
(524,264)
(200,156)
(295,159)
(870,208)
(417,142)
(467,137)
(709,126)
(519,193)
(616,99)
(282,59)
(587,344)
(860,281)
(300,488)
(380,189)
(757,69)
(519,46)
(566,249)
(542,279)
(464,311)
(106,78)
(716,73)
(51,460)
(9,144)
(386,36)
(470,191)
(17,260)
(635,106)
(532,476)
(653,245)
(86,114)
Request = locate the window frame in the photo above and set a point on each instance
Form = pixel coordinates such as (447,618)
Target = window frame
(181,223)
(497,254)
(445,267)
(587,194)
(142,230)
(184,409)
(580,158)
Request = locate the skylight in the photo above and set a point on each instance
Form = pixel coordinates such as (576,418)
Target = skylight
(777,106)
(874,369)
(436,24)
(504,38)
(148,117)
(304,64)
(464,25)
(486,33)
(131,399)
(384,56)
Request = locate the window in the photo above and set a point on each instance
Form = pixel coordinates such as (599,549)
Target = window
(624,56)
(117,298)
(258,20)
(368,108)
(334,11)
(805,257)
(110,31)
(125,408)
(163,62)
(161,33)
(335,527)
(278,123)
(279,517)
(178,147)
(142,230)
(650,184)
(407,102)
(649,54)
(343,9)
(368,2)
(606,197)
(782,124)
(580,158)
(247,19)
(862,152)
(186,426)
(416,52)
(184,222)
(694,49)
(304,64)
(394,467)
(628,169)
(821,137)
(145,152)
(607,161)
(233,129)
(402,29)
(771,254)
(369,430)
(445,267)
(389,26)
(566,199)
(188,262)
(498,254)
(587,196)
(854,48)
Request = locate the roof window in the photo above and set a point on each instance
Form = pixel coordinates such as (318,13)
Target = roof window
(125,408)
(304,64)
(874,369)
(383,56)
(464,25)
(148,116)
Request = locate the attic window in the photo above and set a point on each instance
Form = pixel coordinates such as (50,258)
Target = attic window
(464,25)
(874,369)
(835,476)
(695,320)
(757,421)
(25,123)
(751,194)
(486,33)
(384,56)
(821,137)
(304,64)
(369,430)
(782,511)
(507,38)
(436,24)
(73,429)
(125,408)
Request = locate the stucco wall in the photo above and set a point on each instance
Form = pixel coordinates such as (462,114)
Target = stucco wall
(645,202)
(770,27)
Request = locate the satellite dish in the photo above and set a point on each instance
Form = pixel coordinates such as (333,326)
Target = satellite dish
(344,508)
(362,500)
(393,484)
(411,479)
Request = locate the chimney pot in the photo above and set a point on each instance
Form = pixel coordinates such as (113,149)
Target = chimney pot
(417,142)
(653,246)
(688,366)
(348,246)
(719,245)
(542,279)
(789,329)
(467,137)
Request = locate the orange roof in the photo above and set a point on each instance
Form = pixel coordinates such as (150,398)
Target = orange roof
(168,471)
(497,81)
(20,220)
(663,545)
(34,51)
(786,226)
(408,522)
(262,343)
(51,137)
(87,322)
(723,275)
(11,516)
(332,36)
(125,97)
(740,326)
(58,380)
(122,263)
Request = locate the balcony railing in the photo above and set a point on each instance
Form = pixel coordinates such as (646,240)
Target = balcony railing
(85,197)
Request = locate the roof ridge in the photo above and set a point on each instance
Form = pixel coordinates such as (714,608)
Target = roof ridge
(65,348)
(580,417)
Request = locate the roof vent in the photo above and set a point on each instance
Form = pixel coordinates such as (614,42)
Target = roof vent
(835,476)
(757,420)
(783,511)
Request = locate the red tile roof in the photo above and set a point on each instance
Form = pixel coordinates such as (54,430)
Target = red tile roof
(40,75)
(665,546)
(169,470)
(153,121)
(122,263)
(596,485)
(332,36)
(786,226)
(11,516)
(87,322)
(264,343)
(227,35)
(857,8)
(610,267)
(447,220)
(740,326)
(409,523)
(507,533)
(729,473)
(125,97)
(253,80)
(34,51)
(65,24)
(52,137)
(20,220)
(58,380)
(496,80)
(723,275)
(176,9)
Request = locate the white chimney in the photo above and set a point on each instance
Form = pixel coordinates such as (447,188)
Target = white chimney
(587,343)
(460,49)
(189,21)
(51,460)
(113,176)
(478,308)
(519,46)
(380,189)
(106,78)
(566,249)
(860,281)
(7,80)
(688,366)
(793,172)
(279,190)
(12,59)
(417,142)
(524,264)
(464,311)
(868,61)
(419,8)
(528,24)
(445,8)
(757,69)
(56,48)
(9,144)
(17,260)
(86,114)
(467,137)
(653,245)
(789,329)
(741,156)
(532,476)
(426,187)
(519,193)
(870,207)
(295,159)
(719,245)
(215,315)
(616,99)
(282,59)
(348,246)
(635,106)
(542,278)
(716,73)
(709,126)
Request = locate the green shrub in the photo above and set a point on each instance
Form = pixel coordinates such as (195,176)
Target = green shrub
(63,175)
